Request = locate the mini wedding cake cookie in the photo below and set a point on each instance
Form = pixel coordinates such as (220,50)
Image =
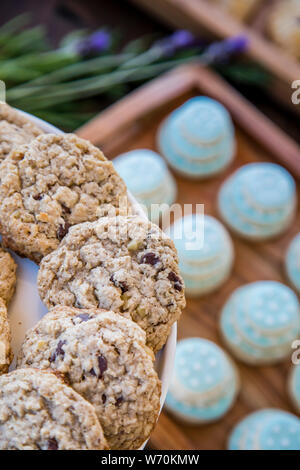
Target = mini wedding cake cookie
(205,253)
(149,180)
(197,139)
(258,201)
(260,321)
(267,429)
(205,382)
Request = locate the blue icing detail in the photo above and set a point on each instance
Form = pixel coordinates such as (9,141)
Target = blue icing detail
(272,306)
(205,413)
(142,170)
(235,219)
(200,365)
(280,432)
(246,317)
(204,119)
(244,433)
(252,212)
(198,137)
(179,146)
(190,229)
(268,185)
(292,262)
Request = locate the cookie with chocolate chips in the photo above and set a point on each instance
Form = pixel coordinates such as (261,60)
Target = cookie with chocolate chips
(38,411)
(104,357)
(125,264)
(50,184)
(15,129)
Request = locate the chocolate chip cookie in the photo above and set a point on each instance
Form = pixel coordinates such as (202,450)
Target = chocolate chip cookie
(15,130)
(50,184)
(6,355)
(8,278)
(125,264)
(39,412)
(104,358)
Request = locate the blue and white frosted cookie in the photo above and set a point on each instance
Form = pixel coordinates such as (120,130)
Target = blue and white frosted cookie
(197,139)
(205,252)
(148,179)
(258,201)
(267,429)
(260,321)
(294,387)
(292,262)
(204,384)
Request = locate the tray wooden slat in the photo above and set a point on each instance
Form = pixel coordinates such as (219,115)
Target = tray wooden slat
(201,17)
(197,14)
(132,123)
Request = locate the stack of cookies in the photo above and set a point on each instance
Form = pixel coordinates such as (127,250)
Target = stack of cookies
(112,282)
(258,201)
(267,429)
(205,382)
(205,253)
(197,139)
(260,321)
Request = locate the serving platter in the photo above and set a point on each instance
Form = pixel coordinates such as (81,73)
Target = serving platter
(206,19)
(132,123)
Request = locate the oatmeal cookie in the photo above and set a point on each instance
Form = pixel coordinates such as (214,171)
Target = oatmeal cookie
(38,411)
(49,185)
(15,130)
(284,26)
(125,264)
(6,355)
(104,358)
(8,278)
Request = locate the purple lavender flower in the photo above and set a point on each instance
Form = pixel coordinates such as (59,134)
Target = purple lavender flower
(94,44)
(220,52)
(180,40)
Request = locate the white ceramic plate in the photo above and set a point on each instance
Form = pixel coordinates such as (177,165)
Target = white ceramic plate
(26,307)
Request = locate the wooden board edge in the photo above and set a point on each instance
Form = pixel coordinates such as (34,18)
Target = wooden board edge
(159,92)
(191,14)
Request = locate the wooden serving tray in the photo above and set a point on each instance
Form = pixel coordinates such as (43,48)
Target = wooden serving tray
(132,123)
(202,17)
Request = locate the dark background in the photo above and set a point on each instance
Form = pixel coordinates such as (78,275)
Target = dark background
(62,16)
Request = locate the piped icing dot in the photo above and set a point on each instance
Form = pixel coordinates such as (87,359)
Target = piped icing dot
(197,139)
(258,201)
(205,252)
(206,387)
(256,331)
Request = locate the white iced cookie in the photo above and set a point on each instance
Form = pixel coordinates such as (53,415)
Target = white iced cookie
(260,321)
(267,429)
(197,139)
(205,382)
(148,179)
(258,201)
(205,253)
